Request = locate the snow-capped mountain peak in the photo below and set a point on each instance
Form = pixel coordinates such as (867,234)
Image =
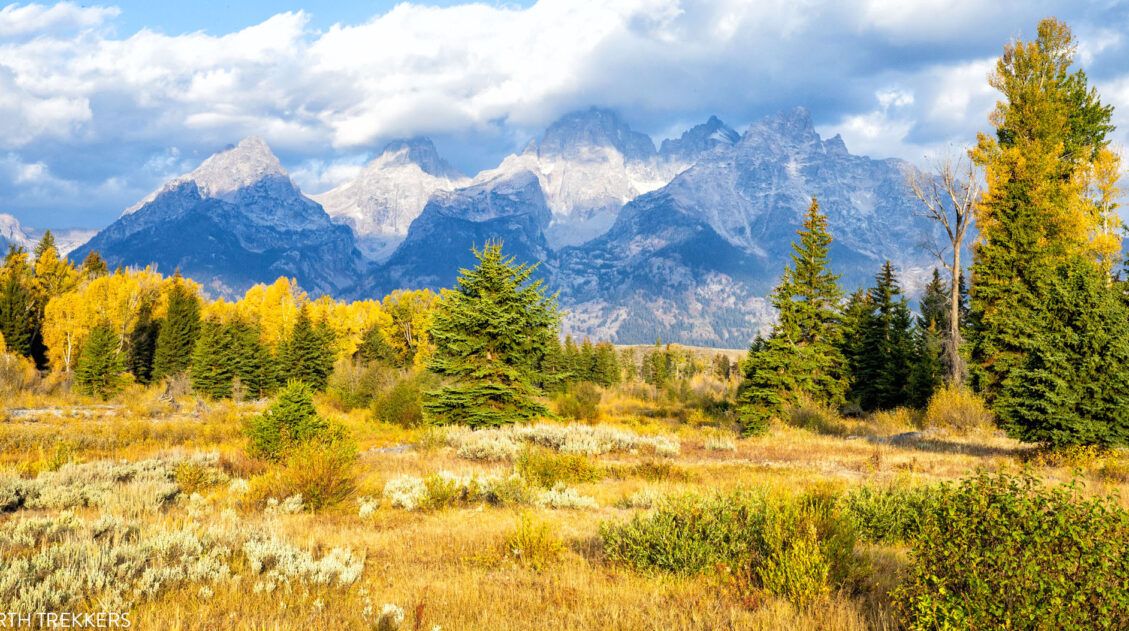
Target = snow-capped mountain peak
(12,233)
(420,152)
(235,168)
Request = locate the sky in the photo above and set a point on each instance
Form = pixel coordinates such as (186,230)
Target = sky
(101,103)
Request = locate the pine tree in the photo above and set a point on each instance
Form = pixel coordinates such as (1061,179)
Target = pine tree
(490,333)
(801,358)
(376,349)
(309,353)
(586,362)
(176,339)
(292,420)
(17,304)
(100,364)
(212,369)
(1051,196)
(254,366)
(94,266)
(1073,385)
(605,369)
(852,344)
(143,344)
(929,329)
(887,350)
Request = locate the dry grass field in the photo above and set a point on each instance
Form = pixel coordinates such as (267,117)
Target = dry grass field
(151,506)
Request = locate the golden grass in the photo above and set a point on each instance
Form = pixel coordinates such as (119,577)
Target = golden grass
(453,567)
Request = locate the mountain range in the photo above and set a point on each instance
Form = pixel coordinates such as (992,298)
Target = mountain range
(681,241)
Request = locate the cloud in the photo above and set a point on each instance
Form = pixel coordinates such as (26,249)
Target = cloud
(117,114)
(36,19)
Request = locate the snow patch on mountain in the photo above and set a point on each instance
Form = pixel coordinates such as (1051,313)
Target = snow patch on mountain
(389,193)
(13,233)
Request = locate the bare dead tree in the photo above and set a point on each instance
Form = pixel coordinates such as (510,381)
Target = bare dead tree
(948,196)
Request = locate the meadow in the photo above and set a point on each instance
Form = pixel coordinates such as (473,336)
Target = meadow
(150,504)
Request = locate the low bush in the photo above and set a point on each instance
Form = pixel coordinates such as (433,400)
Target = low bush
(958,409)
(889,514)
(1006,552)
(546,469)
(290,422)
(815,418)
(356,383)
(581,402)
(795,548)
(323,474)
(402,403)
(533,544)
(561,496)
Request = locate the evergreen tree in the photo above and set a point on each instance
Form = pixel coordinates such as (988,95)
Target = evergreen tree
(143,344)
(490,334)
(212,370)
(800,358)
(887,347)
(94,266)
(309,353)
(376,349)
(17,304)
(1073,385)
(252,362)
(176,338)
(586,362)
(1051,191)
(291,421)
(605,369)
(100,363)
(630,369)
(852,343)
(929,329)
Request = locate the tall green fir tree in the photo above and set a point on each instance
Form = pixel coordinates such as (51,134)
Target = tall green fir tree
(887,349)
(309,353)
(100,367)
(928,371)
(18,323)
(490,334)
(143,344)
(176,338)
(212,369)
(801,358)
(1073,385)
(605,365)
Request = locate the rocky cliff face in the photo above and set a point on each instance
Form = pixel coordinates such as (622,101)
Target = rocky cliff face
(236,220)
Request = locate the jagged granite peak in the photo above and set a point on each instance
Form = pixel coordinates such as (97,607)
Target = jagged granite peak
(421,152)
(234,221)
(500,206)
(13,233)
(698,140)
(389,193)
(573,134)
(590,163)
(695,259)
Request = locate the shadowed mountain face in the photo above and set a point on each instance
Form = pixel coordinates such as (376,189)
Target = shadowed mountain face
(235,221)
(683,242)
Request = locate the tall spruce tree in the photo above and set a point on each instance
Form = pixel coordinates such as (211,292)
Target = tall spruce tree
(605,369)
(929,333)
(490,334)
(887,350)
(100,363)
(176,339)
(1073,385)
(1051,189)
(143,344)
(801,357)
(308,354)
(212,370)
(17,303)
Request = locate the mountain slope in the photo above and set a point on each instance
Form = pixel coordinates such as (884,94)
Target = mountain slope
(12,233)
(235,221)
(509,207)
(389,193)
(694,260)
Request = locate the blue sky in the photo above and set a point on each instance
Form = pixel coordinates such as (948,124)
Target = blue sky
(102,102)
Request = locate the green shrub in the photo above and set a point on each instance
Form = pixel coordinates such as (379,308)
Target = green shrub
(1000,551)
(546,469)
(582,402)
(533,543)
(322,473)
(356,384)
(796,548)
(888,514)
(402,404)
(291,421)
